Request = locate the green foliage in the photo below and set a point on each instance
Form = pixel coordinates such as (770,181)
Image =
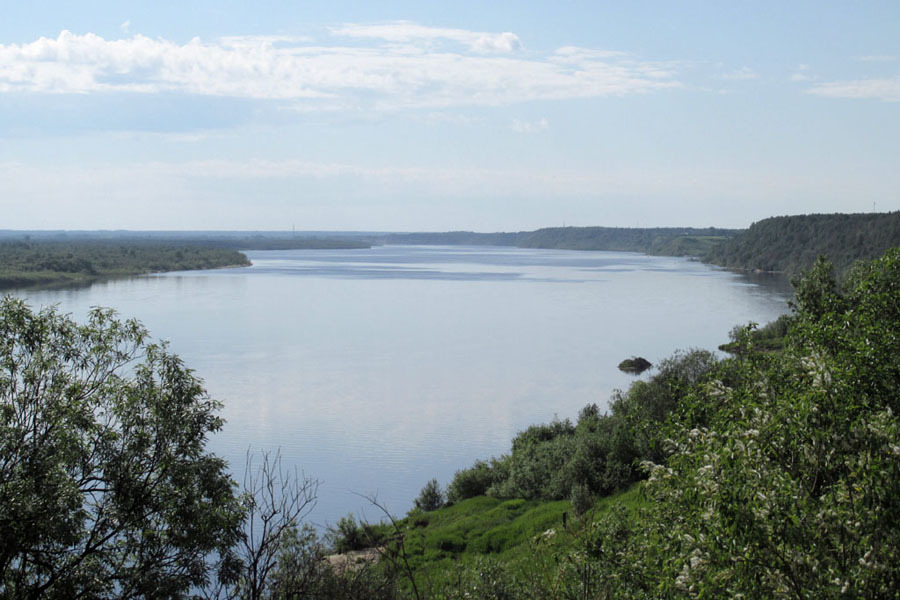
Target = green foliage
(641,412)
(676,241)
(479,526)
(775,475)
(106,488)
(303,571)
(792,244)
(349,535)
(769,338)
(471,482)
(789,486)
(483,547)
(431,497)
(597,456)
(668,241)
(771,475)
(581,498)
(60,263)
(691,245)
(300,563)
(534,467)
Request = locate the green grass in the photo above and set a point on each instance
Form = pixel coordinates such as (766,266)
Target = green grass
(438,543)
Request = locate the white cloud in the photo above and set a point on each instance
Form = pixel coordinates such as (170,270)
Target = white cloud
(802,74)
(401,69)
(406,31)
(502,42)
(742,74)
(886,90)
(125,26)
(578,54)
(529,127)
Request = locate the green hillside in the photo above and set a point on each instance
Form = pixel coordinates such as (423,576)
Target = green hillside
(450,549)
(667,241)
(791,244)
(770,474)
(680,241)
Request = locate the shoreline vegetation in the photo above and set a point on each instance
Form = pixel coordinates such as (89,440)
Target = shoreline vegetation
(785,245)
(772,472)
(77,259)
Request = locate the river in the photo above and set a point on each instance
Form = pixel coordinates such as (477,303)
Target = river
(375,370)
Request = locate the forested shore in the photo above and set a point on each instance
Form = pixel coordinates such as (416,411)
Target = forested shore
(770,473)
(787,245)
(48,263)
(81,258)
(791,244)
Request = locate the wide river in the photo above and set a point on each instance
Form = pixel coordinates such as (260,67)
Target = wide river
(375,370)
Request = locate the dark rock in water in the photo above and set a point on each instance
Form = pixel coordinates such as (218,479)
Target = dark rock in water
(635,365)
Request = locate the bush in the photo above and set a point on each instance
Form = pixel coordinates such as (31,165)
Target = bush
(790,486)
(348,535)
(431,497)
(581,498)
(471,482)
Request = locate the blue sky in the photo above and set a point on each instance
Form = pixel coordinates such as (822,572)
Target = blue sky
(488,116)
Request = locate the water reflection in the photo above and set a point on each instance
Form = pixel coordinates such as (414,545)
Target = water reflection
(376,370)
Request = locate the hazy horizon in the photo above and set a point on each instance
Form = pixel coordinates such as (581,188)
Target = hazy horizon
(429,117)
(371,231)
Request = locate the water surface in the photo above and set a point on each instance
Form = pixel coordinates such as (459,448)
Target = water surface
(376,370)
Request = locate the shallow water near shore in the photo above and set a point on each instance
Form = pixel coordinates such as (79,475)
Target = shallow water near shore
(375,370)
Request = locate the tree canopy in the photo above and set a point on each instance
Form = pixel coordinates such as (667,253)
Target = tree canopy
(106,486)
(771,474)
(782,475)
(80,261)
(791,244)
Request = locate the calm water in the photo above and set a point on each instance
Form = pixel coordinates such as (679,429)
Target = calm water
(376,370)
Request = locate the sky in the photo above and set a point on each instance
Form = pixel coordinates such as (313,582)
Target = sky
(436,116)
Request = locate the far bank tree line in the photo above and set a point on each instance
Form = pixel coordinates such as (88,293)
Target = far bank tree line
(786,244)
(54,260)
(778,244)
(26,263)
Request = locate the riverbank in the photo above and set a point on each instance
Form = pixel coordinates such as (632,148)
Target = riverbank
(51,264)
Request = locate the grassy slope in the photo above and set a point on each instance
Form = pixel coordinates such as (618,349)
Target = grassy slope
(437,543)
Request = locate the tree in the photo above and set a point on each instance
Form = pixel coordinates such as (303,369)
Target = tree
(431,497)
(789,486)
(106,486)
(276,501)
